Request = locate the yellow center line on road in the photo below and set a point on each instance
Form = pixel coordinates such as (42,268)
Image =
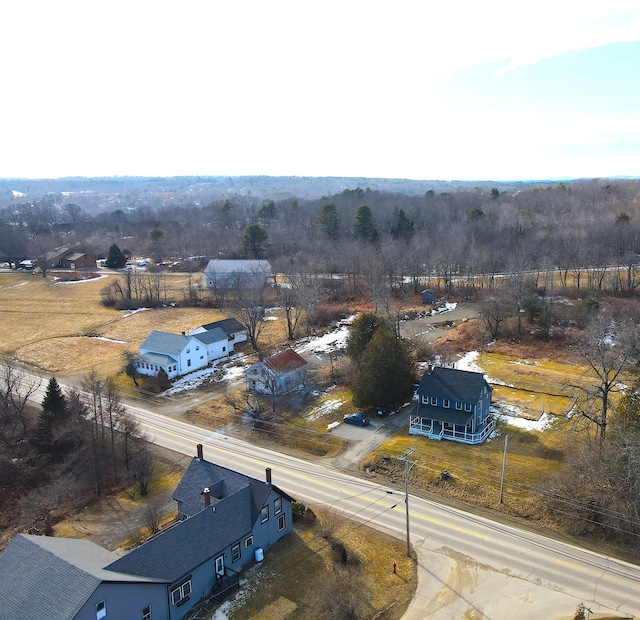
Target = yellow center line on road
(326,485)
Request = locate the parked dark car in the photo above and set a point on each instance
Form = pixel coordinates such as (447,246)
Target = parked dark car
(359,419)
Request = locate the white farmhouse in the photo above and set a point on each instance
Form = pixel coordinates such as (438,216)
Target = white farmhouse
(175,354)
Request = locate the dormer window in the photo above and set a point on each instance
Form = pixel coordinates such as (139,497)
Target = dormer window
(434,400)
(445,403)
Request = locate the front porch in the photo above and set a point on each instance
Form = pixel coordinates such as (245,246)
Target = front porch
(434,429)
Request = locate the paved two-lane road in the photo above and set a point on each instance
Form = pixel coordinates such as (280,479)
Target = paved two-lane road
(470,567)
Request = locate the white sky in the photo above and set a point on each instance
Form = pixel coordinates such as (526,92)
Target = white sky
(350,88)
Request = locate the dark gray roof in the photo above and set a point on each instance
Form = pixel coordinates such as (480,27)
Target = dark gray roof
(228,326)
(211,335)
(460,385)
(42,575)
(441,414)
(180,549)
(164,342)
(202,474)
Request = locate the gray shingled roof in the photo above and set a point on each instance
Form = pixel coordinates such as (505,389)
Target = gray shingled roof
(220,265)
(211,335)
(441,414)
(229,326)
(157,358)
(54,577)
(202,474)
(453,384)
(178,550)
(164,342)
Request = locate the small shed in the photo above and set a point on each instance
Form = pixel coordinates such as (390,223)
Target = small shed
(428,296)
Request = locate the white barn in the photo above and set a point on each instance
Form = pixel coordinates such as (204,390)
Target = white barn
(228,273)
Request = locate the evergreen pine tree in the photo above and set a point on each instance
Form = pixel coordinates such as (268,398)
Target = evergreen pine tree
(54,411)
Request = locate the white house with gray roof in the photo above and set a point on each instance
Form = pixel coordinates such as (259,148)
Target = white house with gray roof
(176,354)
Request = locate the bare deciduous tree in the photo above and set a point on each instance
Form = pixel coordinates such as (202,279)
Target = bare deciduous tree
(609,350)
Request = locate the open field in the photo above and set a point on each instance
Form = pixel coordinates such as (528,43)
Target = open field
(64,328)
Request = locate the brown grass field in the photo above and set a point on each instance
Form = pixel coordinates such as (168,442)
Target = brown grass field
(58,327)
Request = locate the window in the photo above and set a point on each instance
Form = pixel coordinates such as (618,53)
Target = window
(181,594)
(248,542)
(277,506)
(264,514)
(188,362)
(281,523)
(445,403)
(146,613)
(235,553)
(101,610)
(188,351)
(425,400)
(224,349)
(467,406)
(459,406)
(434,400)
(201,357)
(197,349)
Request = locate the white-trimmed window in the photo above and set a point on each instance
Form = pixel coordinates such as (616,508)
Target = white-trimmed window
(264,514)
(467,406)
(188,362)
(282,522)
(434,400)
(235,553)
(146,613)
(188,351)
(445,403)
(181,594)
(277,506)
(101,610)
(197,349)
(248,542)
(459,406)
(425,400)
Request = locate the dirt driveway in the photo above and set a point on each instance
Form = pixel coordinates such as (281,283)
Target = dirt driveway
(429,329)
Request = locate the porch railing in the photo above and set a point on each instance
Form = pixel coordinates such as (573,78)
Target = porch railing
(437,431)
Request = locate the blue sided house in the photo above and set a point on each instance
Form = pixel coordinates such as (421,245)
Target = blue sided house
(225,521)
(453,404)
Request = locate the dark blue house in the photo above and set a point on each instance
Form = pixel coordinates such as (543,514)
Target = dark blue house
(452,404)
(226,520)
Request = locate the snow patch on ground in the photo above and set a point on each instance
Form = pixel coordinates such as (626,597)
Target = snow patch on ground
(446,308)
(512,416)
(468,362)
(134,312)
(210,374)
(58,281)
(269,318)
(108,339)
(332,425)
(335,340)
(324,408)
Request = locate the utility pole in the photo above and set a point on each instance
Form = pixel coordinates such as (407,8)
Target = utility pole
(407,468)
(504,466)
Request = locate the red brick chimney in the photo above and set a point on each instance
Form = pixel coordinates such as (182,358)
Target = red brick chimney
(200,453)
(268,472)
(207,497)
